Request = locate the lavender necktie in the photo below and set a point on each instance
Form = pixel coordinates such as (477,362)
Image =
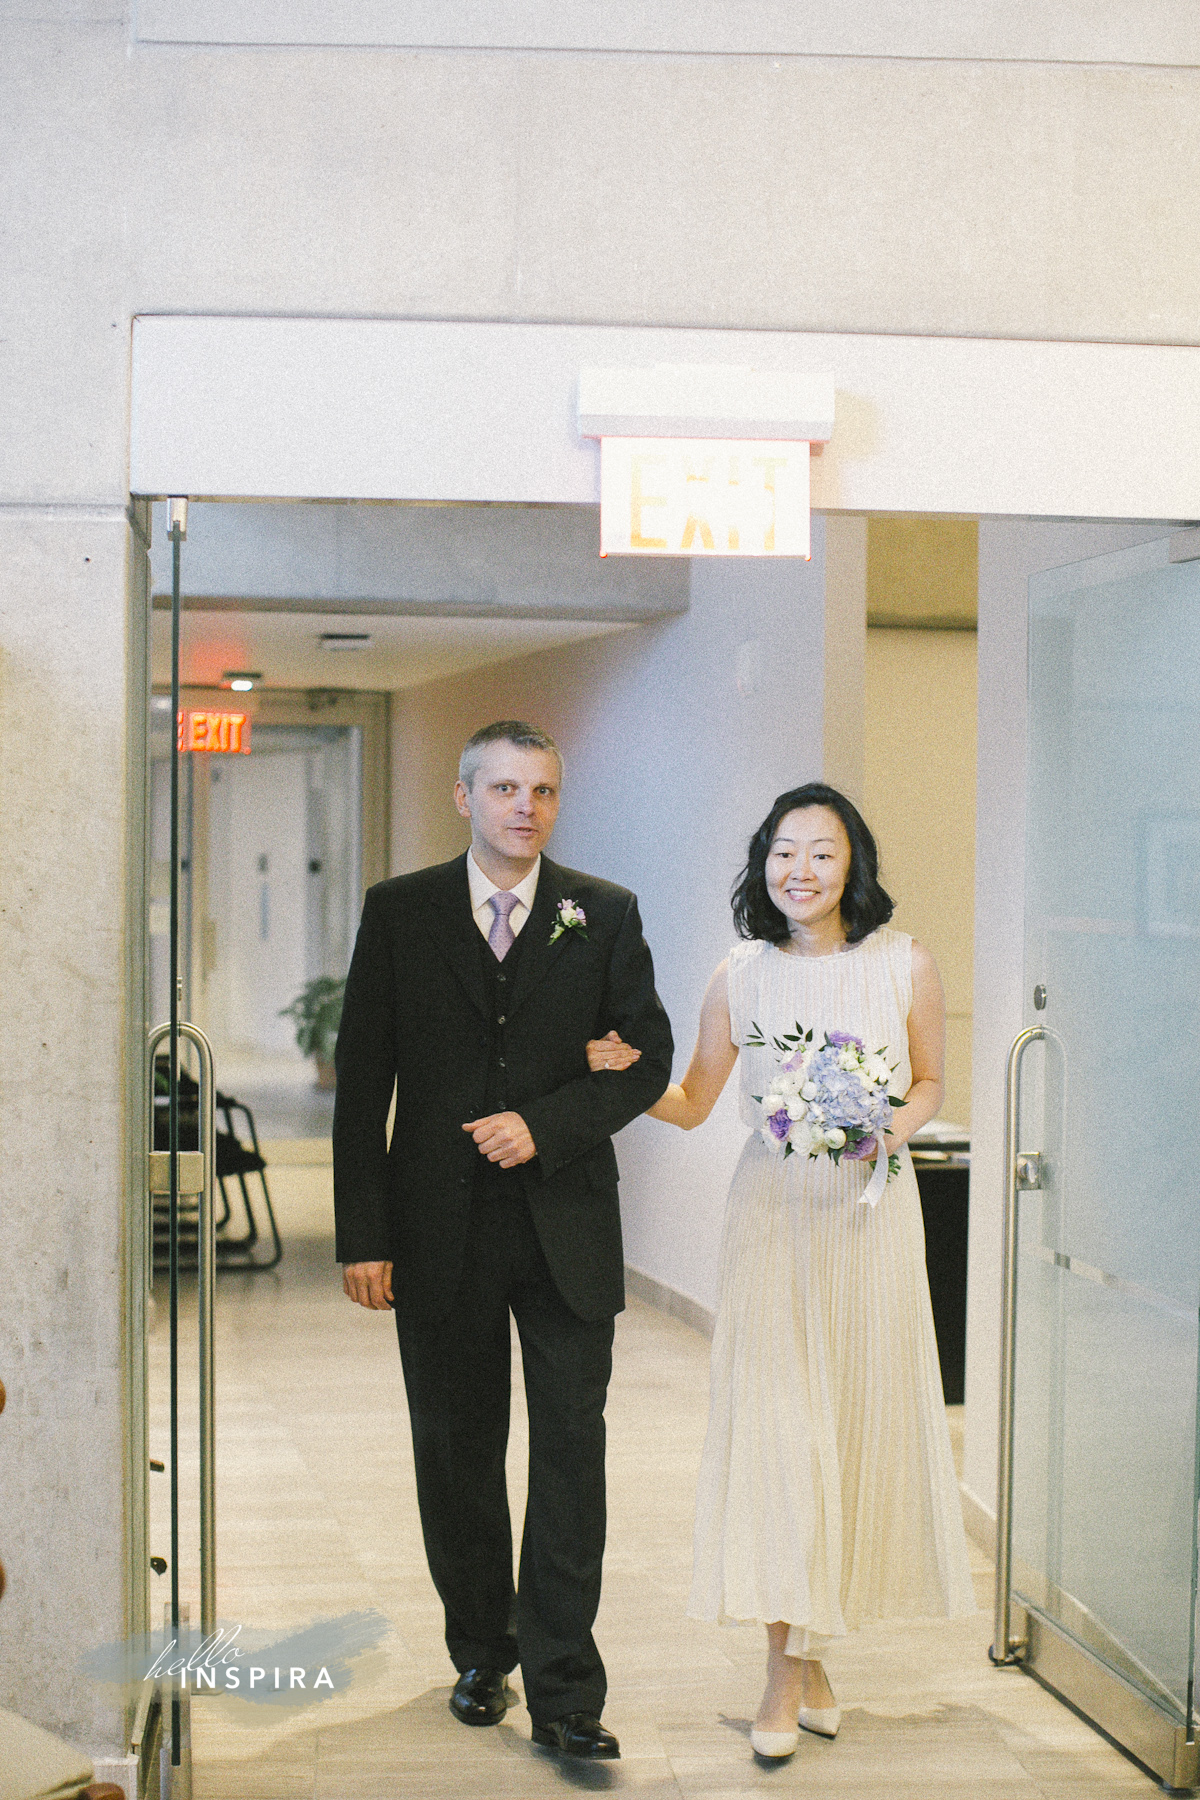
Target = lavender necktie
(502,937)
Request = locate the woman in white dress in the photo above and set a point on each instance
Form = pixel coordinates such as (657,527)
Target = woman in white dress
(827,1495)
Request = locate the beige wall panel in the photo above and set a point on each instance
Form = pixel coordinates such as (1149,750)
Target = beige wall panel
(923,572)
(920,803)
(845,650)
(62,1059)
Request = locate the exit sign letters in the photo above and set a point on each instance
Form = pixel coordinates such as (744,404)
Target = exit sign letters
(224,732)
(703,497)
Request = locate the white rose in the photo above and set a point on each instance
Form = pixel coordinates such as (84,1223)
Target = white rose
(878,1070)
(816,1137)
(796,1109)
(835,1138)
(848,1058)
(809,1091)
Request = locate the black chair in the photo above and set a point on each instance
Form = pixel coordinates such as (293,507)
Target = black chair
(236,1162)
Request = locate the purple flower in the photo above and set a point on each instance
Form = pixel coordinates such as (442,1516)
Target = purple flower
(841,1038)
(793,1062)
(779,1124)
(859,1152)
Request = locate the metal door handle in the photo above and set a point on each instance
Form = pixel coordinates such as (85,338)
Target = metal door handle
(1017,1164)
(192,1173)
(1030,1169)
(199,1166)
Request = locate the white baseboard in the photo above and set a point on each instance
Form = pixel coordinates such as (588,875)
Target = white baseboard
(668,1300)
(979,1521)
(122,1771)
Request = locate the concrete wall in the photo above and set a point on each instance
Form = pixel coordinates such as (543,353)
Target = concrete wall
(64,975)
(1100,31)
(859,194)
(677,738)
(854,194)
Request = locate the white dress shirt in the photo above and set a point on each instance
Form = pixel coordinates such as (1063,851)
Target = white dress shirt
(481,894)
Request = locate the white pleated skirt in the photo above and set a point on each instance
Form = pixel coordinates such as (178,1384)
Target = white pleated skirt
(827,1493)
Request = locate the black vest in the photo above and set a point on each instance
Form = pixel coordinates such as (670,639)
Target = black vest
(498,978)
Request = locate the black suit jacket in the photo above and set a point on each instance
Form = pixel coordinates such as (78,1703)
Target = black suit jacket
(418,1014)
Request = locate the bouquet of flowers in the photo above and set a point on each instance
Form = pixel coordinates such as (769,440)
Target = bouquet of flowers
(830,1100)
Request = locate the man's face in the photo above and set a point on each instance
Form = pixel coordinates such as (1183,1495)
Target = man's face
(512,804)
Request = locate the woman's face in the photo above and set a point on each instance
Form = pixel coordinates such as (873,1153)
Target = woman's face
(807,865)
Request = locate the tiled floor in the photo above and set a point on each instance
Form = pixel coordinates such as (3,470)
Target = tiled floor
(317,1519)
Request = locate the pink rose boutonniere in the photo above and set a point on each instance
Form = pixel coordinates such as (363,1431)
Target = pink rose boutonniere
(570,918)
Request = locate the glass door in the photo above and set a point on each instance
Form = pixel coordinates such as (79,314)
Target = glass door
(1106,1197)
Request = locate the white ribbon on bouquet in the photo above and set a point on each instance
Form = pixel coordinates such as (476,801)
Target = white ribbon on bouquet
(874,1188)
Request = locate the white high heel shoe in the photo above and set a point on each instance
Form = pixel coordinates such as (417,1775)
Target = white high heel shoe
(822,1720)
(773,1744)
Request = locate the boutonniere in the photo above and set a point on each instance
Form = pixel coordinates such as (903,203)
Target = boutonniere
(570,918)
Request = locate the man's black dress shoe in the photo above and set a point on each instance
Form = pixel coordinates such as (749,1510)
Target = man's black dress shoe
(577,1735)
(481,1697)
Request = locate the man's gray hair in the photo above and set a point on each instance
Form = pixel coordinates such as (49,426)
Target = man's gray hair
(505,731)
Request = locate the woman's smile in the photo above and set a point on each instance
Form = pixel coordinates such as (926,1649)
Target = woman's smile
(806,870)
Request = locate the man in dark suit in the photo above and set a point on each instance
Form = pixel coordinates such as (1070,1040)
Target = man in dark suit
(473,991)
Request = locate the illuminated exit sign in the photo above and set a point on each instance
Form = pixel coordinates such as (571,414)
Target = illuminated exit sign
(225,732)
(672,496)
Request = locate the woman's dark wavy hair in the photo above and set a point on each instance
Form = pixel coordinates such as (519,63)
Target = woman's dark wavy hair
(865,905)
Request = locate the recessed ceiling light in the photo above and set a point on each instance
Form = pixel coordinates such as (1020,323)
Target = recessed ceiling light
(344,640)
(242,680)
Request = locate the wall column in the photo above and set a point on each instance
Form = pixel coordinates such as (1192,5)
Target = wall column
(845,651)
(63,1038)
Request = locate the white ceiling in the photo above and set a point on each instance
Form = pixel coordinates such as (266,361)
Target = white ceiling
(404,650)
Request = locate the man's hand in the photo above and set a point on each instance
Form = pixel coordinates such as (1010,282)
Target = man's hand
(369,1283)
(503,1138)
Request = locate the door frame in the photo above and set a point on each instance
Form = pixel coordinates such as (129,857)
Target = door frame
(369,711)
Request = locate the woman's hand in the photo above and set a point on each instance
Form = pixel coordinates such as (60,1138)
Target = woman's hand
(610,1052)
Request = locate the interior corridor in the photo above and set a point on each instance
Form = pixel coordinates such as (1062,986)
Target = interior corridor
(317,1519)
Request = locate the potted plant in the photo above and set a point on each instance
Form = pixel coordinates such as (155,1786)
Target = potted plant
(317,1010)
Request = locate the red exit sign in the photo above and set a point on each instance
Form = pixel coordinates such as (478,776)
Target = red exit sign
(225,732)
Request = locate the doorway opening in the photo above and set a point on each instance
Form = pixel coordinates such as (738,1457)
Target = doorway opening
(279,842)
(276,1558)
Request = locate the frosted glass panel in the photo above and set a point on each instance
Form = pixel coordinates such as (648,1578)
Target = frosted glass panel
(1109,1256)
